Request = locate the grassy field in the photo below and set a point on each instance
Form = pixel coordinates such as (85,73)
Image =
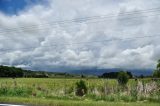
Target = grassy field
(61,92)
(51,102)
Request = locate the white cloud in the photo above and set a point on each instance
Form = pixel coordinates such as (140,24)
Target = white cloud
(54,44)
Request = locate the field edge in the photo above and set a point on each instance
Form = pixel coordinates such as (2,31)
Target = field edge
(53,102)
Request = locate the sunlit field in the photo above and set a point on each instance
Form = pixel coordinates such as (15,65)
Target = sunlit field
(61,91)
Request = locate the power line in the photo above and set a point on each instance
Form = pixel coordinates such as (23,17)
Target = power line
(81,43)
(74,24)
(149,10)
(81,20)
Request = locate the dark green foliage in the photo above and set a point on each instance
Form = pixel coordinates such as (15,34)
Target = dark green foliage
(14,72)
(81,88)
(114,75)
(156,73)
(109,75)
(15,92)
(141,76)
(122,78)
(158,65)
(82,76)
(129,74)
(10,72)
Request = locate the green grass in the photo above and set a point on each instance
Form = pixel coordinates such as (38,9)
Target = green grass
(51,102)
(61,92)
(53,86)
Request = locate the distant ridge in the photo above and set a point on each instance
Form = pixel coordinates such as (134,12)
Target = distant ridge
(136,72)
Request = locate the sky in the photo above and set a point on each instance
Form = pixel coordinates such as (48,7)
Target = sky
(56,35)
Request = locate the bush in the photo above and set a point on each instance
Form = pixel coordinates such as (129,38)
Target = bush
(15,92)
(122,78)
(81,88)
(156,74)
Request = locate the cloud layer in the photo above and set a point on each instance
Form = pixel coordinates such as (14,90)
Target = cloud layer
(32,39)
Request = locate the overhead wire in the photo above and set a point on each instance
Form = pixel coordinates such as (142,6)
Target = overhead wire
(61,29)
(81,20)
(82,43)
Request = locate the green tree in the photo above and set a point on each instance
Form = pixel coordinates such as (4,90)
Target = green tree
(158,65)
(157,70)
(81,88)
(122,78)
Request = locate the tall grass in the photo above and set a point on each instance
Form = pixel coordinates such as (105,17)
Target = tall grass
(65,89)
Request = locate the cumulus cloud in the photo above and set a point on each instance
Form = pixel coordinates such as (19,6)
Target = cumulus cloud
(32,39)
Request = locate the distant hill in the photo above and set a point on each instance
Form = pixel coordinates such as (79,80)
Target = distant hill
(6,71)
(97,72)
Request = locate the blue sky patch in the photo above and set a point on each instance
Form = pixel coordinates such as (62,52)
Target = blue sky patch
(11,7)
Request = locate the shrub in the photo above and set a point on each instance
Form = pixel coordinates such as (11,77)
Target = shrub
(81,88)
(15,92)
(122,78)
(156,74)
(3,91)
(157,71)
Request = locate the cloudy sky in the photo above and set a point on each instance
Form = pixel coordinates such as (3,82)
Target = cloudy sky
(56,35)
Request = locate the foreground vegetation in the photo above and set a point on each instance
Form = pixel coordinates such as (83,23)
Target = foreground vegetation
(60,90)
(51,102)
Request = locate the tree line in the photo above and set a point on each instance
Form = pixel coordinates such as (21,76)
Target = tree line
(114,75)
(6,71)
(14,72)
